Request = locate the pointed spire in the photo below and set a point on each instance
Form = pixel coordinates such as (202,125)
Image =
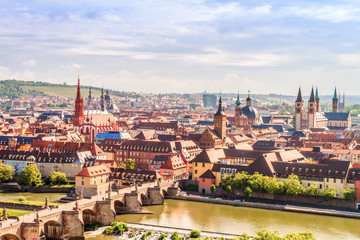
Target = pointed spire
(317,94)
(78,94)
(248,98)
(335,95)
(220,108)
(238,103)
(299,97)
(312,96)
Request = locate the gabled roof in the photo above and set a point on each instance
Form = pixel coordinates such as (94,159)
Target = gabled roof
(208,174)
(337,116)
(209,156)
(94,171)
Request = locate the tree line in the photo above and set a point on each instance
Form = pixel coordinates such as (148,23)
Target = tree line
(31,176)
(291,186)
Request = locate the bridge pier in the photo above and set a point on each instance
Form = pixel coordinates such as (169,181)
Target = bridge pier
(155,196)
(105,212)
(72,225)
(30,231)
(132,202)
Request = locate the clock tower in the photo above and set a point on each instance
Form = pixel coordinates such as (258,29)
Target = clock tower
(220,121)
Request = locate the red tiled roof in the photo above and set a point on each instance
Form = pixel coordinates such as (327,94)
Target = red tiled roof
(94,171)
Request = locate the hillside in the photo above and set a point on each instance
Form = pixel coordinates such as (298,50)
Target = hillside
(15,89)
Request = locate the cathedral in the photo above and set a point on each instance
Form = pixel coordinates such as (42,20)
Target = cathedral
(247,116)
(314,118)
(92,122)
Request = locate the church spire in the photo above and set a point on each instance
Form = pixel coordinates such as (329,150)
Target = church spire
(299,96)
(312,96)
(248,99)
(317,94)
(335,95)
(78,93)
(238,103)
(220,110)
(79,108)
(102,106)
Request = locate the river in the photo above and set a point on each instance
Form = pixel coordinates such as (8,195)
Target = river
(230,219)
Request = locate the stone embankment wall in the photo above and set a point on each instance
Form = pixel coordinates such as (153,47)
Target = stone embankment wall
(14,187)
(269,206)
(332,202)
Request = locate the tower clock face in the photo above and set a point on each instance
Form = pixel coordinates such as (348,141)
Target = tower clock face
(217,125)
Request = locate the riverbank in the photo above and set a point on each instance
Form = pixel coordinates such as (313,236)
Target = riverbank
(271,206)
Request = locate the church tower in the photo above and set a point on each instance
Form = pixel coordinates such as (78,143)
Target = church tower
(311,110)
(248,100)
(317,100)
(89,104)
(78,117)
(102,102)
(220,121)
(298,111)
(335,105)
(237,105)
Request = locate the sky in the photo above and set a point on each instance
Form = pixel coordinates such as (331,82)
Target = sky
(184,46)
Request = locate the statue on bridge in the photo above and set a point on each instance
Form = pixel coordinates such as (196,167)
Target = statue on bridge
(46,203)
(37,218)
(109,191)
(80,195)
(76,208)
(5,217)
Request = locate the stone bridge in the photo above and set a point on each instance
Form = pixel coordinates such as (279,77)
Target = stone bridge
(68,221)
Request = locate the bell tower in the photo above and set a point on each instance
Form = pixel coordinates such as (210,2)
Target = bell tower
(299,103)
(311,110)
(335,102)
(237,105)
(220,121)
(317,100)
(79,109)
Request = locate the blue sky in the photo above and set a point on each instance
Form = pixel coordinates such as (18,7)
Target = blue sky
(184,46)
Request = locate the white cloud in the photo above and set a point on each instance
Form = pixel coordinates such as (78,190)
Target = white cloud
(349,59)
(30,62)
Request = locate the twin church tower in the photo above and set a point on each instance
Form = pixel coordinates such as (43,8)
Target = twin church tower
(314,118)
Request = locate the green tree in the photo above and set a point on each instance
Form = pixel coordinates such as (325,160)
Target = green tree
(57,178)
(6,173)
(175,236)
(228,190)
(243,236)
(30,176)
(292,185)
(312,190)
(129,164)
(349,193)
(267,235)
(195,234)
(248,192)
(274,186)
(300,236)
(212,188)
(328,192)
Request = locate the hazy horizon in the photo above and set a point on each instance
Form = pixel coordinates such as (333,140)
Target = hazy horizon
(184,46)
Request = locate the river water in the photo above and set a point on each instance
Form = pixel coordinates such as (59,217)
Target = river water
(230,219)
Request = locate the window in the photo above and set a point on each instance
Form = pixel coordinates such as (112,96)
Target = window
(82,182)
(203,179)
(196,164)
(320,186)
(203,164)
(195,171)
(334,180)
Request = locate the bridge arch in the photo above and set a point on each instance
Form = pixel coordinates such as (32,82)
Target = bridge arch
(52,230)
(120,207)
(9,236)
(144,199)
(164,193)
(89,216)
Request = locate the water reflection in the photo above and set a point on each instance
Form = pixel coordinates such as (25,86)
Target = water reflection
(231,219)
